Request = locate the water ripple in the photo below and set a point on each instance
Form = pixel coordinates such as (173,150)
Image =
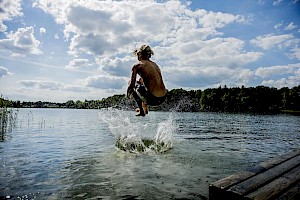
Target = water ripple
(59,154)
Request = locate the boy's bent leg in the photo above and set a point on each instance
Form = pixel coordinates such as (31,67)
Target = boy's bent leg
(139,103)
(145,107)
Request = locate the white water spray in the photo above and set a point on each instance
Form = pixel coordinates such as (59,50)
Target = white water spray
(143,134)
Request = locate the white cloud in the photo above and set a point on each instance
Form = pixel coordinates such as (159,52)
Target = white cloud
(120,23)
(296,53)
(83,19)
(192,77)
(55,7)
(4,71)
(21,43)
(180,37)
(28,83)
(291,26)
(49,85)
(290,82)
(56,36)
(40,84)
(8,11)
(266,72)
(277,2)
(153,25)
(116,66)
(277,26)
(290,72)
(74,88)
(78,63)
(90,44)
(42,30)
(214,52)
(105,82)
(218,19)
(52,85)
(280,41)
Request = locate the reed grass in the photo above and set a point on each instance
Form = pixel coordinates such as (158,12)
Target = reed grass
(8,118)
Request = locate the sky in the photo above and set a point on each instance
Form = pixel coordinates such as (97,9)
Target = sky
(60,50)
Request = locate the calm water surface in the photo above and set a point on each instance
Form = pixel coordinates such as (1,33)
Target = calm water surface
(60,154)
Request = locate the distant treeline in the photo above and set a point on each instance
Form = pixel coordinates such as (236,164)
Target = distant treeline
(87,104)
(258,99)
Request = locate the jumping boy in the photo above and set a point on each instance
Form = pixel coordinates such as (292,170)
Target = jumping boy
(150,89)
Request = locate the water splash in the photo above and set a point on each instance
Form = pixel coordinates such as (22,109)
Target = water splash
(143,134)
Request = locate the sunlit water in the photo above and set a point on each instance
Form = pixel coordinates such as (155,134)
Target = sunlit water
(59,154)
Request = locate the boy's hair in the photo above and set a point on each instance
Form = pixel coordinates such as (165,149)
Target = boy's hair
(145,50)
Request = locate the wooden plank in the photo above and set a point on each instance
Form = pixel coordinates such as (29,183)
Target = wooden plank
(258,180)
(217,190)
(275,161)
(293,193)
(277,187)
(234,179)
(226,188)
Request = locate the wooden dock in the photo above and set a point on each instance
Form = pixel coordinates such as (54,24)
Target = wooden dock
(278,178)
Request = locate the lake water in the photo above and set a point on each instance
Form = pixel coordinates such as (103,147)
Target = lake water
(61,153)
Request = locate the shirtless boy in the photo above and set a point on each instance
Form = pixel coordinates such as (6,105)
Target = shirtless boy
(150,89)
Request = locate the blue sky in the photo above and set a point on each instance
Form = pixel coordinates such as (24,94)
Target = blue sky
(59,50)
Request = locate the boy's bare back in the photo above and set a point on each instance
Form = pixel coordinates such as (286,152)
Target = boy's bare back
(152,77)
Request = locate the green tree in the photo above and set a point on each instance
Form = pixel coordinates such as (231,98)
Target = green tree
(70,104)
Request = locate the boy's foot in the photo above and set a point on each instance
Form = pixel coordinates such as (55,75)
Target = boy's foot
(138,110)
(140,114)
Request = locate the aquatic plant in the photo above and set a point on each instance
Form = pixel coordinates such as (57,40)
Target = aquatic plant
(8,118)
